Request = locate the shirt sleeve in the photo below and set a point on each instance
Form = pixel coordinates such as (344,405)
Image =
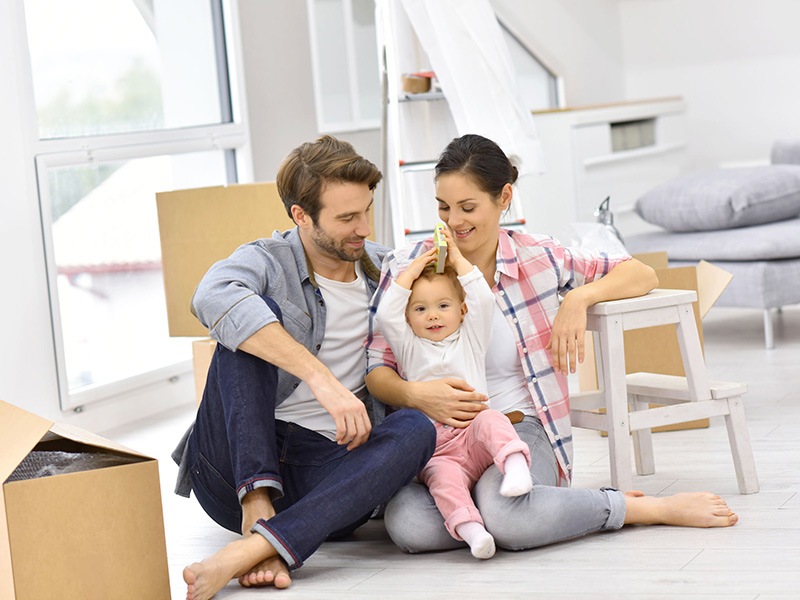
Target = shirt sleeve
(480,304)
(580,266)
(390,317)
(379,354)
(227,301)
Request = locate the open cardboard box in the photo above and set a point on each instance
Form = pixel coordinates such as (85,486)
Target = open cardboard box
(85,535)
(656,349)
(200,226)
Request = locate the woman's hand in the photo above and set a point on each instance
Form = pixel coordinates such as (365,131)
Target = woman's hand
(449,400)
(567,337)
(454,257)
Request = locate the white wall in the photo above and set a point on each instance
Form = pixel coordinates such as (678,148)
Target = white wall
(736,62)
(278,78)
(27,369)
(579,39)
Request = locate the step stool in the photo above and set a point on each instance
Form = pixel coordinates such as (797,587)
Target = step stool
(626,398)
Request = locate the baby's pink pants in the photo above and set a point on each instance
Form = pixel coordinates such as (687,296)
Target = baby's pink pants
(461,457)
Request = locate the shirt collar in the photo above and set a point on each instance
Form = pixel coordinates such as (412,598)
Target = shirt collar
(304,265)
(506,261)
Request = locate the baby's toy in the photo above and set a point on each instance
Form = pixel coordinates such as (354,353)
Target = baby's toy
(441,247)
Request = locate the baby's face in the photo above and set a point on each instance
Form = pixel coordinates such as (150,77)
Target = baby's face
(434,309)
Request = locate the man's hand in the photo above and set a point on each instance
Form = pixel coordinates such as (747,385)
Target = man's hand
(273,344)
(449,400)
(567,337)
(349,413)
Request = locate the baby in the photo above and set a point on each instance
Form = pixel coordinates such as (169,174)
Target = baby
(439,325)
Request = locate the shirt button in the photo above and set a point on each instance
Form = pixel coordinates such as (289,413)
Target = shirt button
(502,293)
(319,346)
(544,408)
(558,437)
(294,386)
(321,303)
(514,320)
(524,350)
(569,467)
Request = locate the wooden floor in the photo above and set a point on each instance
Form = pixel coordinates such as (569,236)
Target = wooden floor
(757,559)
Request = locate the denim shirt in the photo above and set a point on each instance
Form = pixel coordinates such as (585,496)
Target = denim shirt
(227,302)
(227,299)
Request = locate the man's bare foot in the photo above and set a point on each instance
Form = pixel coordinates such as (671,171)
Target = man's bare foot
(206,578)
(256,505)
(696,509)
(272,571)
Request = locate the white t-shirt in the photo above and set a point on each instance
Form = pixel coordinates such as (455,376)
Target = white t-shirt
(342,351)
(504,375)
(461,354)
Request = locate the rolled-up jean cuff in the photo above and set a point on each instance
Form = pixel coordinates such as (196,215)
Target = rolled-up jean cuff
(616,514)
(292,560)
(268,481)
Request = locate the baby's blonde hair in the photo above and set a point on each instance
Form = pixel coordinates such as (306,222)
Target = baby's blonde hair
(429,273)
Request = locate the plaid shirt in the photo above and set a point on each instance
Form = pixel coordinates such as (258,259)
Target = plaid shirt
(533,273)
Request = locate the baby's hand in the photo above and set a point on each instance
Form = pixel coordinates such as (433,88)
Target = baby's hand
(409,276)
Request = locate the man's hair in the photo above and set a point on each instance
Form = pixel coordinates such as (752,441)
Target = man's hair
(429,273)
(304,173)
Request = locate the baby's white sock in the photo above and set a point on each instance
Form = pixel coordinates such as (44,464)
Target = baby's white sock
(517,480)
(481,542)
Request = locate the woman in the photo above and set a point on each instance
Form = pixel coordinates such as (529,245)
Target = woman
(542,291)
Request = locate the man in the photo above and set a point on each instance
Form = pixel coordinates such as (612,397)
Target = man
(283,449)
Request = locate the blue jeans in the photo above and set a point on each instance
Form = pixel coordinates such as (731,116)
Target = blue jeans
(545,515)
(319,488)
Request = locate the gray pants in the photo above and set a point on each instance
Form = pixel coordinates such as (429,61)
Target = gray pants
(545,515)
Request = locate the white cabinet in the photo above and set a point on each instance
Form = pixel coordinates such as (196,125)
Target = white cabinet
(619,150)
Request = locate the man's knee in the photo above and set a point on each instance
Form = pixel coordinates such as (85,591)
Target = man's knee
(414,431)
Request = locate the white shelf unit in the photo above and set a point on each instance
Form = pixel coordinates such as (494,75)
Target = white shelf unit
(416,128)
(582,168)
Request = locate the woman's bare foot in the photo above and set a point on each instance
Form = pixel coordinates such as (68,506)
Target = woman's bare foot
(696,509)
(272,571)
(206,578)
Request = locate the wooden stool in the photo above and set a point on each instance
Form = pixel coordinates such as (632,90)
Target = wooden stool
(685,398)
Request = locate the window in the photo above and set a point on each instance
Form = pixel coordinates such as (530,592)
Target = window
(133,97)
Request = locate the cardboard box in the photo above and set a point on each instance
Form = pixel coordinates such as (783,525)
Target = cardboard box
(200,226)
(89,535)
(202,351)
(656,349)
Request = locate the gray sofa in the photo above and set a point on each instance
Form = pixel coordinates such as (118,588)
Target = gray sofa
(746,221)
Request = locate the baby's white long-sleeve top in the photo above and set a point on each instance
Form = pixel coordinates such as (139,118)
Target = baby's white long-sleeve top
(462,354)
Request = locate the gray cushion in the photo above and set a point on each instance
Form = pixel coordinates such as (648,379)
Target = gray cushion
(786,152)
(758,284)
(760,242)
(724,198)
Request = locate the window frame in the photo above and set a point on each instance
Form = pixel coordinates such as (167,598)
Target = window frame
(231,137)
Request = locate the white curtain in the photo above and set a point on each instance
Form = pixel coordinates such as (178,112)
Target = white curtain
(469,55)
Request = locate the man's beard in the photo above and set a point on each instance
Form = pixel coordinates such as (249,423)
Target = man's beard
(332,248)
